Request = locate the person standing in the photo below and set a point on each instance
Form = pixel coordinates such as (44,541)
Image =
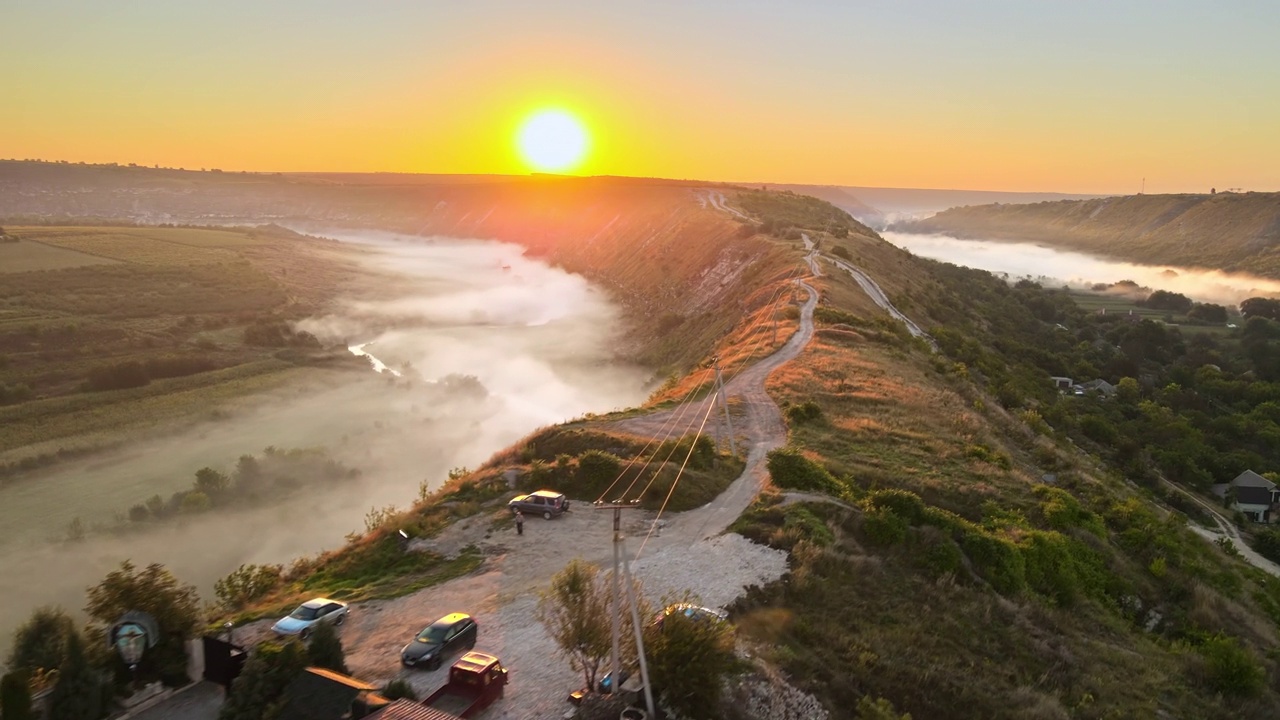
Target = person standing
(519,522)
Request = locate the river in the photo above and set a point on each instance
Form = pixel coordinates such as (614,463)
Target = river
(1057,266)
(487,345)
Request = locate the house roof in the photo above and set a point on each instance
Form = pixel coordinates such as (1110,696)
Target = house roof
(409,710)
(1249,495)
(320,694)
(1249,478)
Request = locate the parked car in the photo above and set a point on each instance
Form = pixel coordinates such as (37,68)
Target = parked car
(450,635)
(696,613)
(300,622)
(546,503)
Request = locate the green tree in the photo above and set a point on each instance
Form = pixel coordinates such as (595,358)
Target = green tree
(1230,668)
(1261,307)
(153,590)
(246,584)
(1128,391)
(211,482)
(15,697)
(258,693)
(575,611)
(40,644)
(688,661)
(195,502)
(1208,312)
(325,649)
(77,695)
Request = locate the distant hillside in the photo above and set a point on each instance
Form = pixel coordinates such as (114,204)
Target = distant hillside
(1230,231)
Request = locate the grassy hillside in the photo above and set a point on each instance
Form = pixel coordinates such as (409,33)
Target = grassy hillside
(1230,231)
(942,574)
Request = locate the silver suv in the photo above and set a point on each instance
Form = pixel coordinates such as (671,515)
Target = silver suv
(546,503)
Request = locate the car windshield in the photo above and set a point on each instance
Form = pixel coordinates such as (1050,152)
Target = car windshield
(433,634)
(305,613)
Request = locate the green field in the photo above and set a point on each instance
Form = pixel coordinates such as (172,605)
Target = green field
(1117,305)
(105,331)
(146,246)
(24,256)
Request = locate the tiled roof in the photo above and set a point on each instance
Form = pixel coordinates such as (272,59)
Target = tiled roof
(409,710)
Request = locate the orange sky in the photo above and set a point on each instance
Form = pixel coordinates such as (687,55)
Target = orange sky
(1087,97)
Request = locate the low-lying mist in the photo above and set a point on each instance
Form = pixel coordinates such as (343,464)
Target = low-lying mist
(489,344)
(1019,260)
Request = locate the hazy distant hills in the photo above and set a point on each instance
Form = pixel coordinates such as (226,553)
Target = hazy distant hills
(879,207)
(1230,231)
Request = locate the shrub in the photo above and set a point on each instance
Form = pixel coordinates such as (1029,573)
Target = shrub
(397,689)
(325,649)
(790,469)
(997,560)
(904,503)
(596,470)
(987,455)
(1229,668)
(246,584)
(883,526)
(804,412)
(811,526)
(1062,511)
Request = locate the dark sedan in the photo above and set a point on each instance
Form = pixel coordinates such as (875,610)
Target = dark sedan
(450,635)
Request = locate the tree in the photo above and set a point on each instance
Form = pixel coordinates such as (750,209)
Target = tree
(77,695)
(688,660)
(1165,300)
(15,697)
(575,611)
(1127,390)
(1261,307)
(397,689)
(211,482)
(258,692)
(40,644)
(246,584)
(325,649)
(1208,312)
(153,590)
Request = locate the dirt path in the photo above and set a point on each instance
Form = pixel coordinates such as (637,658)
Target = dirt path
(687,553)
(1228,530)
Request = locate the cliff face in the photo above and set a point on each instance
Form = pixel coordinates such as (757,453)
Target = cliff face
(1230,231)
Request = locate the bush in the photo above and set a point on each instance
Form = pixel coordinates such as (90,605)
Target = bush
(398,689)
(688,660)
(904,503)
(39,644)
(804,412)
(997,560)
(246,584)
(801,519)
(1230,668)
(883,526)
(325,649)
(790,469)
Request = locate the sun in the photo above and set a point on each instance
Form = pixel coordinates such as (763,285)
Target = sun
(552,141)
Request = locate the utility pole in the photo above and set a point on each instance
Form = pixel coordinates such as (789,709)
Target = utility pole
(723,402)
(619,551)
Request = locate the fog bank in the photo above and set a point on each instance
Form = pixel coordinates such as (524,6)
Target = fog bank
(1058,267)
(490,346)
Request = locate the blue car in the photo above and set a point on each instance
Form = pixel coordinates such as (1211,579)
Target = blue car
(302,621)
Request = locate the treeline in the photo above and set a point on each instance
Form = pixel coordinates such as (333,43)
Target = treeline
(1194,408)
(135,373)
(275,333)
(271,476)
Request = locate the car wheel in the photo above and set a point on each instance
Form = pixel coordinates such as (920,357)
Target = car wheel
(471,644)
(306,633)
(546,514)
(340,619)
(435,664)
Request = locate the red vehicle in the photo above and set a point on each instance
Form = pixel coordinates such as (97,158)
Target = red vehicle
(475,681)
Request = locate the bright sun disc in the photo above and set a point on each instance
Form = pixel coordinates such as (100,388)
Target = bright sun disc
(552,141)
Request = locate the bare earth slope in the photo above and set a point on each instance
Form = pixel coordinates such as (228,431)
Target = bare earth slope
(1230,231)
